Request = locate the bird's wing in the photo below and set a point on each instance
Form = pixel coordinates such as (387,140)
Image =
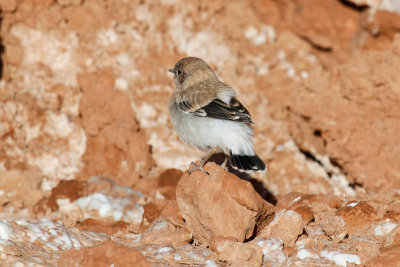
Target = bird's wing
(206,104)
(234,111)
(192,101)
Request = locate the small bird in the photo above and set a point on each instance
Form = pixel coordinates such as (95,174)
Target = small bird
(206,114)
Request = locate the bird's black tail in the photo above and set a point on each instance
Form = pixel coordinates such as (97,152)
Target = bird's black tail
(245,163)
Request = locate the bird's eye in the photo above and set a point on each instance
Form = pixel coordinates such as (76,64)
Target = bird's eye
(178,72)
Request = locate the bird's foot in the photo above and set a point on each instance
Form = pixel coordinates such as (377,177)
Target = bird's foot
(198,167)
(223,165)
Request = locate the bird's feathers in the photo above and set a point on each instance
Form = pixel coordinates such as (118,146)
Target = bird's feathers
(218,109)
(206,114)
(191,101)
(247,163)
(207,102)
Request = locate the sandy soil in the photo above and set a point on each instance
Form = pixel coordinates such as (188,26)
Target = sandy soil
(92,173)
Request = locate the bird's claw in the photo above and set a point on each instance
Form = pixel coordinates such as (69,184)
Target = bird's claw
(198,167)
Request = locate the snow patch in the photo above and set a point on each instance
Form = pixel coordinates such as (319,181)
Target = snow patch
(165,249)
(121,84)
(385,228)
(51,49)
(177,257)
(339,258)
(5,230)
(265,35)
(352,204)
(110,207)
(210,263)
(272,250)
(390,5)
(107,37)
(296,199)
(58,125)
(304,253)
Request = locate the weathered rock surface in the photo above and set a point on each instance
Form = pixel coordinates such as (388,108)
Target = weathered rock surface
(22,189)
(115,145)
(221,205)
(83,91)
(357,216)
(353,110)
(287,226)
(106,254)
(390,257)
(241,254)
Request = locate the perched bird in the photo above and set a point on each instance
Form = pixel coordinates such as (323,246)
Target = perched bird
(206,114)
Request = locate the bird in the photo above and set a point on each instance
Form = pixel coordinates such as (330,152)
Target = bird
(206,114)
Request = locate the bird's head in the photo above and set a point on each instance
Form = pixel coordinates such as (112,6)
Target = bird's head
(191,70)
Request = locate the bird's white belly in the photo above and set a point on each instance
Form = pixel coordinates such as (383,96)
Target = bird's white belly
(206,133)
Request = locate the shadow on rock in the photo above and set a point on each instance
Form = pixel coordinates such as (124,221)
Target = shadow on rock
(258,185)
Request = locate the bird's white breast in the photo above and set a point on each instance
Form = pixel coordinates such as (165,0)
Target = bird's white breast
(206,133)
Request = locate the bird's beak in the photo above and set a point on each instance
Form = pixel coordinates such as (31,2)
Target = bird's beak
(172,70)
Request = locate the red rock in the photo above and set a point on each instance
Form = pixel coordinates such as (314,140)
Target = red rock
(115,145)
(334,227)
(220,205)
(334,104)
(317,203)
(88,17)
(392,215)
(315,230)
(98,184)
(172,214)
(241,254)
(348,114)
(332,32)
(358,217)
(324,202)
(152,211)
(14,53)
(367,247)
(106,254)
(306,213)
(289,251)
(19,189)
(8,5)
(220,243)
(109,228)
(287,226)
(69,189)
(389,257)
(393,238)
(383,27)
(290,200)
(393,208)
(167,182)
(287,171)
(169,177)
(69,2)
(148,186)
(161,233)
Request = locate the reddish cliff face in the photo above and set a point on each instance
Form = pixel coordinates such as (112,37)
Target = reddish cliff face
(88,153)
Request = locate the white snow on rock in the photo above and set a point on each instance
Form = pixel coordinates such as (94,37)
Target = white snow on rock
(54,235)
(303,253)
(266,34)
(384,228)
(5,230)
(111,207)
(339,258)
(272,250)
